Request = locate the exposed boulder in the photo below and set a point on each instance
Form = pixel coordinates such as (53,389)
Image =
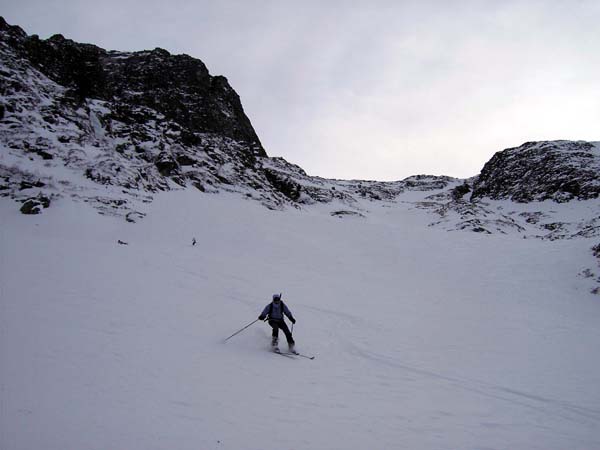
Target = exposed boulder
(166,164)
(134,216)
(460,191)
(35,205)
(342,214)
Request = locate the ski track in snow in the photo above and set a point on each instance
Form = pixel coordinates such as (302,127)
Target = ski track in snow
(547,406)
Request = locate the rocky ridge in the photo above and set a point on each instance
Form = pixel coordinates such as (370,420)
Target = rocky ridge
(538,171)
(111,129)
(137,123)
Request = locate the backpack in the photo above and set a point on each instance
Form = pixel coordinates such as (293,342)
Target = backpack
(282,310)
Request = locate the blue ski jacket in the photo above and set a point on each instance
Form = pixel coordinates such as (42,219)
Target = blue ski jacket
(275,311)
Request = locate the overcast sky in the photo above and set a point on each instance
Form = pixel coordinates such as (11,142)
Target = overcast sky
(370,89)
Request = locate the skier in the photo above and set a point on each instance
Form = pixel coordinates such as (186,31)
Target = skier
(275,311)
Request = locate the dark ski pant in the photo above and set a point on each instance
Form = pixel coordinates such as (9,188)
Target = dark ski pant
(281,325)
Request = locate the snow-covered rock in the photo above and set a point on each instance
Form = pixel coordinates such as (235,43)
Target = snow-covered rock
(97,125)
(112,129)
(537,171)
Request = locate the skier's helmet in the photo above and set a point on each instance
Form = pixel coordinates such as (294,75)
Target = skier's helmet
(276,297)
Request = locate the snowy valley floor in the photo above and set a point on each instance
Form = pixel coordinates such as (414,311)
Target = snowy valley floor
(425,339)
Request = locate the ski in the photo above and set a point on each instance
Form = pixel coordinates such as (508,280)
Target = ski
(290,353)
(279,352)
(298,354)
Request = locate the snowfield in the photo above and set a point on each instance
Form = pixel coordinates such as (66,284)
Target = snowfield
(424,338)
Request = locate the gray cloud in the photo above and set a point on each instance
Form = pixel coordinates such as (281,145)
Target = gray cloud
(378,89)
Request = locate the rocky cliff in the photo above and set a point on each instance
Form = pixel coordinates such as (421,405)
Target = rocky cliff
(176,86)
(537,171)
(111,128)
(136,123)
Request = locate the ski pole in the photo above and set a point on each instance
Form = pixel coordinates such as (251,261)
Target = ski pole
(239,331)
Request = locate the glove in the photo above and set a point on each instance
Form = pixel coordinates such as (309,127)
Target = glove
(261,317)
(293,320)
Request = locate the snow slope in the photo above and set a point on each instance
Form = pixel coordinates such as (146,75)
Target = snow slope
(424,339)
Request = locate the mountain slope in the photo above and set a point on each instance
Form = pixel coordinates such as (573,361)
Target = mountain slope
(422,341)
(444,313)
(112,128)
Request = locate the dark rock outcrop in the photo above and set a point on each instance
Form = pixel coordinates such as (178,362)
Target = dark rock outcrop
(283,184)
(535,171)
(35,205)
(460,191)
(178,86)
